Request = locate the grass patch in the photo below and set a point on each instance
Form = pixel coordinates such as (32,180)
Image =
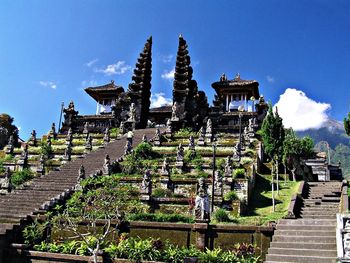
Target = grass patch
(260,207)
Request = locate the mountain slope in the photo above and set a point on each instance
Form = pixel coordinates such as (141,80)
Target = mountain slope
(333,132)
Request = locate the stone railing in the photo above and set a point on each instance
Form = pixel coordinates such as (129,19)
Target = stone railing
(344,200)
(297,201)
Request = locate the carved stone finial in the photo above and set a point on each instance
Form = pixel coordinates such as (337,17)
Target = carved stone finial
(201,209)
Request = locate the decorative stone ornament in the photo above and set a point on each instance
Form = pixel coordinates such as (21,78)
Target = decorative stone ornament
(201,139)
(86,128)
(132,113)
(174,116)
(88,143)
(107,165)
(146,185)
(157,138)
(10,145)
(33,141)
(53,131)
(127,148)
(106,136)
(201,209)
(69,137)
(5,183)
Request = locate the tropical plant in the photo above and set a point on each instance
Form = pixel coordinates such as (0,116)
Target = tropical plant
(221,215)
(231,196)
(34,233)
(20,177)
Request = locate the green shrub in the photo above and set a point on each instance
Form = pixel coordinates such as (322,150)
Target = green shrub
(221,215)
(231,196)
(246,160)
(239,173)
(45,149)
(157,217)
(185,132)
(160,192)
(34,233)
(20,177)
(144,151)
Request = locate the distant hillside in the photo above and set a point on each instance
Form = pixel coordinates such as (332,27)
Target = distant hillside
(333,132)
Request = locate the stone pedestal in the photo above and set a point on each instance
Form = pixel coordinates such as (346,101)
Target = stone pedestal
(201,141)
(129,125)
(166,183)
(201,229)
(179,165)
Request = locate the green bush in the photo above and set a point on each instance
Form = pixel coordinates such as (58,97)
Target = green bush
(20,177)
(185,132)
(160,192)
(239,173)
(34,233)
(231,196)
(157,217)
(144,151)
(45,149)
(221,215)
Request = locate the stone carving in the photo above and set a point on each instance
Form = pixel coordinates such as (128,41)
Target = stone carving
(228,167)
(53,131)
(144,138)
(174,116)
(132,113)
(346,245)
(157,138)
(107,136)
(40,168)
(81,176)
(88,143)
(236,152)
(168,129)
(33,141)
(180,153)
(347,224)
(69,115)
(217,183)
(86,128)
(24,153)
(69,137)
(5,183)
(122,128)
(201,209)
(107,165)
(191,143)
(127,148)
(68,152)
(10,145)
(201,138)
(223,77)
(48,141)
(146,185)
(209,130)
(165,171)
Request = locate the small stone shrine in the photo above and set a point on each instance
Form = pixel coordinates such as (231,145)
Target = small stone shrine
(10,145)
(5,183)
(201,209)
(107,167)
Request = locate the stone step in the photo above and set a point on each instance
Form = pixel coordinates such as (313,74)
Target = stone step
(299,245)
(318,216)
(305,233)
(301,259)
(306,227)
(302,221)
(303,252)
(317,213)
(304,239)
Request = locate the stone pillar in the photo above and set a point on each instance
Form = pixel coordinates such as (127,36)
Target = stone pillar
(226,102)
(201,232)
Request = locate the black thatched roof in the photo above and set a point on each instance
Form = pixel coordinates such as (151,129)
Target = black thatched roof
(108,91)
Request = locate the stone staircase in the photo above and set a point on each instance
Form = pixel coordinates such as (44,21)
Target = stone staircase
(45,191)
(311,238)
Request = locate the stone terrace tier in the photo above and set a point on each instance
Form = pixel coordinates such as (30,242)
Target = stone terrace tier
(45,191)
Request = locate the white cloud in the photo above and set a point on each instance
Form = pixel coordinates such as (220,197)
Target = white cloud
(91,62)
(300,112)
(48,84)
(168,74)
(118,68)
(88,83)
(167,58)
(158,100)
(270,79)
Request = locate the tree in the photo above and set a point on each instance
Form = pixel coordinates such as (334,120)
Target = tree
(7,129)
(273,135)
(295,149)
(347,124)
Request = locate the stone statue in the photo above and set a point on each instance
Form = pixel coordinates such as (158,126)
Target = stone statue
(127,148)
(69,137)
(201,138)
(88,143)
(40,168)
(24,154)
(236,153)
(106,137)
(223,77)
(228,167)
(146,185)
(48,141)
(180,153)
(6,185)
(174,116)
(86,128)
(33,140)
(347,224)
(68,152)
(201,209)
(191,142)
(107,165)
(81,176)
(144,138)
(165,168)
(217,183)
(53,131)
(10,145)
(168,129)
(132,113)
(122,128)
(209,129)
(157,138)
(346,245)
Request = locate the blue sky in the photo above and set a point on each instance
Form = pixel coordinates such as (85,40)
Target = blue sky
(51,50)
